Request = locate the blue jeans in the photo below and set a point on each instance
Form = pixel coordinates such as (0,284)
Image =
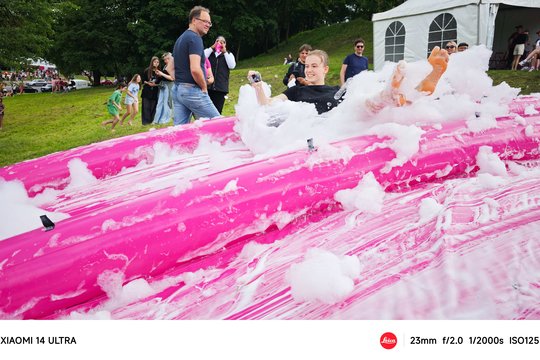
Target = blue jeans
(189,99)
(163,111)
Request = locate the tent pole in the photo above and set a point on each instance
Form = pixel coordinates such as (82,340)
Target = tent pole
(478,23)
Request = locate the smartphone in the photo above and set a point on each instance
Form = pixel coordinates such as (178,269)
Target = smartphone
(310,144)
(255,78)
(47,223)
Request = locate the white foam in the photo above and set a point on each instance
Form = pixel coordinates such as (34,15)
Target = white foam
(19,213)
(323,276)
(367,196)
(489,162)
(429,209)
(465,92)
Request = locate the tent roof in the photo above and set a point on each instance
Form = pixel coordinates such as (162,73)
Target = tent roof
(415,7)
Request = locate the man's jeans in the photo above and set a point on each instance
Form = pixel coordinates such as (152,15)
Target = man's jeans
(189,99)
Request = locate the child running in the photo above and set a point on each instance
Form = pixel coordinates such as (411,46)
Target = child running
(132,100)
(114,106)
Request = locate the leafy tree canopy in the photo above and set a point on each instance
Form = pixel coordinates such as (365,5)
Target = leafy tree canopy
(118,37)
(25,30)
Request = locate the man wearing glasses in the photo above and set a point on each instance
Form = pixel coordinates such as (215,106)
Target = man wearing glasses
(190,92)
(354,63)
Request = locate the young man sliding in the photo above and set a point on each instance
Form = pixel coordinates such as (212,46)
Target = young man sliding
(324,96)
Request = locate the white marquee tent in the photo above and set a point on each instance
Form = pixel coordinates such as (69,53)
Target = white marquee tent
(410,30)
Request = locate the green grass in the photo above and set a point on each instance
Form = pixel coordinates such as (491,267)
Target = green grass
(43,123)
(528,82)
(40,124)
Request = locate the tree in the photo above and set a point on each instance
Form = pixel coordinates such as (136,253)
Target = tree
(25,30)
(93,35)
(157,26)
(120,36)
(115,36)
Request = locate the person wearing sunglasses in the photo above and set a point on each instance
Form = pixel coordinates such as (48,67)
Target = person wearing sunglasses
(326,97)
(451,47)
(354,63)
(190,89)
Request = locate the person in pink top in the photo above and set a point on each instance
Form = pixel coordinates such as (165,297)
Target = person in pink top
(209,74)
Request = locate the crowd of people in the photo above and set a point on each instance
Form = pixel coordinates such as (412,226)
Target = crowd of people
(12,82)
(192,81)
(521,53)
(23,75)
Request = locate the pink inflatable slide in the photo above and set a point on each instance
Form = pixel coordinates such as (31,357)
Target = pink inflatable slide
(192,241)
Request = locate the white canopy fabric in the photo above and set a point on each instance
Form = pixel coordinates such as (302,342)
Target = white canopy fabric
(478,22)
(416,7)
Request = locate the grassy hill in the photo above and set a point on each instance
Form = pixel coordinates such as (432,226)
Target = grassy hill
(39,124)
(337,40)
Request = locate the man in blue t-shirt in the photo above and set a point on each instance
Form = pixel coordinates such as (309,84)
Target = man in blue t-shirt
(354,63)
(190,92)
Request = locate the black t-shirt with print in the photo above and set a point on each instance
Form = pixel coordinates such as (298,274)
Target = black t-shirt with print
(320,95)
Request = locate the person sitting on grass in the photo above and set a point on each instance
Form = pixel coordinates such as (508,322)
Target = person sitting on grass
(326,97)
(114,105)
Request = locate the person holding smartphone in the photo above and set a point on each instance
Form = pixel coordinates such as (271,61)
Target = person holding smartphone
(222,62)
(325,97)
(315,92)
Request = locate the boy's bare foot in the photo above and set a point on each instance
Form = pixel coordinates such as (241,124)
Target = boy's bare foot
(130,123)
(439,61)
(391,95)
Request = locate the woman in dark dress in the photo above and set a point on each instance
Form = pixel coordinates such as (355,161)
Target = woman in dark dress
(150,91)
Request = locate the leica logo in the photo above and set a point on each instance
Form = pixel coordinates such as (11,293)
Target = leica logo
(388,340)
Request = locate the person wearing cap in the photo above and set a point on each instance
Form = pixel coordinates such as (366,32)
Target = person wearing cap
(462,46)
(451,47)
